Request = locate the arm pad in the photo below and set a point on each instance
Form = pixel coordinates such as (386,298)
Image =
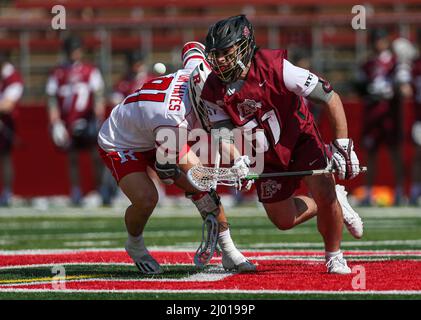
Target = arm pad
(322,92)
(206,202)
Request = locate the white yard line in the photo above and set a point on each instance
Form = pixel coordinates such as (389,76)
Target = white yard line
(305,292)
(344,243)
(186,211)
(191,248)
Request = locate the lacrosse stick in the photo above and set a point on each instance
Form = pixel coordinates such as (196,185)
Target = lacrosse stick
(209,243)
(204,178)
(208,246)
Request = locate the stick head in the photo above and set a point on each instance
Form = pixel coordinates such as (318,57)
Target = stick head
(205,178)
(201,178)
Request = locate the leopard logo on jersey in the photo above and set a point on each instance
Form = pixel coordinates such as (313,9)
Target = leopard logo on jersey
(247,108)
(269,188)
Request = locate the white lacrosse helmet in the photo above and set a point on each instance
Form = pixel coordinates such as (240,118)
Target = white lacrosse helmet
(404,50)
(196,83)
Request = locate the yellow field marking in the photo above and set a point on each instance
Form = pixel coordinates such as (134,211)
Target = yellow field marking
(56,278)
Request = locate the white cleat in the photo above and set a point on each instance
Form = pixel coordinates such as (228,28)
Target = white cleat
(352,220)
(337,265)
(241,264)
(144,261)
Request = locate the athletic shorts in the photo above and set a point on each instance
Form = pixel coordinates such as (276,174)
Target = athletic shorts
(310,153)
(83,133)
(125,162)
(7,134)
(382,125)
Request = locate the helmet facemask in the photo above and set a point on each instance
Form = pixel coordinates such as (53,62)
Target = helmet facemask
(230,46)
(235,62)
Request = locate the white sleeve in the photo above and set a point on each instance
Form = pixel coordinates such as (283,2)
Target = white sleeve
(298,80)
(95,80)
(13,92)
(215,112)
(52,86)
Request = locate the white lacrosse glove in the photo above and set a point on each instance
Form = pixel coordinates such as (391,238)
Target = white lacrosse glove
(60,135)
(242,166)
(416,132)
(344,159)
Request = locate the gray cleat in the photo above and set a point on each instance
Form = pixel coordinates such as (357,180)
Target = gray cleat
(243,267)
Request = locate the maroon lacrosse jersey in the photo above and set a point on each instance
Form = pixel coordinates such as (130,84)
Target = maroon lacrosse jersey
(130,83)
(74,86)
(380,68)
(11,88)
(265,102)
(416,83)
(382,105)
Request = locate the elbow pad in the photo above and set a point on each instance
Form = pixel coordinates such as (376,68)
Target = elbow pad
(322,92)
(167,172)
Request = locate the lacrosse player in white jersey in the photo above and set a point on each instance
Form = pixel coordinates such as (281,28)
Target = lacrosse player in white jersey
(128,143)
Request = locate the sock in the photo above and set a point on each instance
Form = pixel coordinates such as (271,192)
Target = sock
(415,190)
(136,243)
(228,247)
(399,191)
(6,193)
(76,195)
(330,255)
(368,192)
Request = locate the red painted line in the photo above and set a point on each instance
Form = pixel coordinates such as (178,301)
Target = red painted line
(290,275)
(162,257)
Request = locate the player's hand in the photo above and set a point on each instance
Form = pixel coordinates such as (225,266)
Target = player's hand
(60,135)
(416,132)
(242,166)
(244,184)
(344,159)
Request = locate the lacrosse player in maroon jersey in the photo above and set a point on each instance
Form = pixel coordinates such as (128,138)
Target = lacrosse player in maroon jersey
(11,89)
(137,74)
(415,191)
(254,88)
(383,81)
(76,108)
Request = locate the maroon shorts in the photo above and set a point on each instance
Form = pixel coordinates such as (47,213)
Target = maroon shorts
(382,125)
(310,153)
(122,163)
(7,133)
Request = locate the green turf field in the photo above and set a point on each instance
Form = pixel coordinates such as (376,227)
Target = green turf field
(178,228)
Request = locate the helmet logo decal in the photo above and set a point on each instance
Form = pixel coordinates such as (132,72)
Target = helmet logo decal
(246,32)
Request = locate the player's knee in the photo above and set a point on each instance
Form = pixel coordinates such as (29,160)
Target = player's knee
(146,201)
(284,225)
(281,223)
(282,215)
(326,197)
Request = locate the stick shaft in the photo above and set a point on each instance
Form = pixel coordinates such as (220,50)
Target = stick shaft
(295,173)
(217,158)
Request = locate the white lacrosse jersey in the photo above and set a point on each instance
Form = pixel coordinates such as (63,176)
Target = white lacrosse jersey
(161,103)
